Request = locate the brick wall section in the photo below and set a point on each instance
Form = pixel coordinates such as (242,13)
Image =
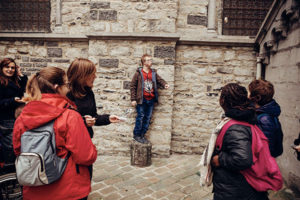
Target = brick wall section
(200,72)
(33,55)
(117,62)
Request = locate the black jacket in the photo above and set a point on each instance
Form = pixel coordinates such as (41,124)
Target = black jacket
(8,93)
(87,106)
(235,155)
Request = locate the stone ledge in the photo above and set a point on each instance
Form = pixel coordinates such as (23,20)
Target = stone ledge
(213,41)
(44,36)
(239,41)
(135,36)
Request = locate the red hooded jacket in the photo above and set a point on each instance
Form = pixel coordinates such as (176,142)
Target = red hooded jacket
(71,135)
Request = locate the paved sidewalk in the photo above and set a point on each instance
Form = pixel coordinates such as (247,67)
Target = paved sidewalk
(173,178)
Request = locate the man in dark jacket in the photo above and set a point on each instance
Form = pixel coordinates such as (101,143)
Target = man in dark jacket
(268,111)
(143,89)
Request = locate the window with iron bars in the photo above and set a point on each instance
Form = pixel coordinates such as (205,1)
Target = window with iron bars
(25,16)
(244,17)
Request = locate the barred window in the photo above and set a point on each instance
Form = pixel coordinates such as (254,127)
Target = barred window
(244,17)
(25,16)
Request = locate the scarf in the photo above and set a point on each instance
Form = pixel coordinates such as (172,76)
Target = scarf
(205,166)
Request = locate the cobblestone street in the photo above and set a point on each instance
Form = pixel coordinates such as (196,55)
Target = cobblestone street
(166,179)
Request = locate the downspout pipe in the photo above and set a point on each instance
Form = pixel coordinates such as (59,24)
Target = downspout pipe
(258,67)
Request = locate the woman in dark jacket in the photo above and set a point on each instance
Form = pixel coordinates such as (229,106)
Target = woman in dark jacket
(81,75)
(236,152)
(12,88)
(268,111)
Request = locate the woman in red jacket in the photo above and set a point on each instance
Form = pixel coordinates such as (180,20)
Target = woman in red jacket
(46,92)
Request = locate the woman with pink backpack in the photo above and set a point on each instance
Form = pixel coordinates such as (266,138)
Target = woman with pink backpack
(237,159)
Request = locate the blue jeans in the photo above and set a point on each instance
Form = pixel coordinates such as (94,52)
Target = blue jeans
(144,113)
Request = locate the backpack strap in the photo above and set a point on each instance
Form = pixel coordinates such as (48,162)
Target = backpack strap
(219,141)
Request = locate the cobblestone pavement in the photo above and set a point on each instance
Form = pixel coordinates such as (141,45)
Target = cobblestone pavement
(173,178)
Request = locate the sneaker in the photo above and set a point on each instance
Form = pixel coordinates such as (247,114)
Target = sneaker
(145,140)
(138,139)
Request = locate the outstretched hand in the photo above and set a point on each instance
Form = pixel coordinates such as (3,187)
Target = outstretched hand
(114,119)
(17,99)
(89,120)
(167,86)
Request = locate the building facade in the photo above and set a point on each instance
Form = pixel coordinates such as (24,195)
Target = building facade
(196,46)
(279,62)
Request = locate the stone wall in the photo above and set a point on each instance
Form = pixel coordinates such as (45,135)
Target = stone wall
(192,18)
(280,50)
(117,16)
(200,72)
(117,62)
(114,35)
(33,55)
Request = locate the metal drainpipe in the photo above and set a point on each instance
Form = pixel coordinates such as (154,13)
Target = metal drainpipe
(258,67)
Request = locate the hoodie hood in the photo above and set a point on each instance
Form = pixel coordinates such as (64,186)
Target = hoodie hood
(272,108)
(242,115)
(37,113)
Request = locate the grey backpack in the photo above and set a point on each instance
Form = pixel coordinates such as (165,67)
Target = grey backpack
(38,163)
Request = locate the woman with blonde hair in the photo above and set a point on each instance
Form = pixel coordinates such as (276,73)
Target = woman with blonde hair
(81,75)
(46,94)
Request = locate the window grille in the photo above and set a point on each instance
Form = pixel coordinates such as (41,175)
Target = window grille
(244,17)
(25,15)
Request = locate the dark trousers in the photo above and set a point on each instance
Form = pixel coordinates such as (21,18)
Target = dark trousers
(144,114)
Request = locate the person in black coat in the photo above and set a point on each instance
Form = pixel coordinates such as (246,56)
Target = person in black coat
(12,88)
(236,152)
(81,75)
(268,111)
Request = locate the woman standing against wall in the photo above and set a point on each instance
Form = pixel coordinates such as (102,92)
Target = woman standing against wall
(12,88)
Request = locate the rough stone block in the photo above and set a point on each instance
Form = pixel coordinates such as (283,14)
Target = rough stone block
(25,59)
(224,70)
(126,85)
(109,62)
(98,5)
(197,20)
(93,14)
(164,52)
(109,15)
(54,52)
(52,44)
(62,61)
(169,62)
(26,64)
(40,64)
(40,60)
